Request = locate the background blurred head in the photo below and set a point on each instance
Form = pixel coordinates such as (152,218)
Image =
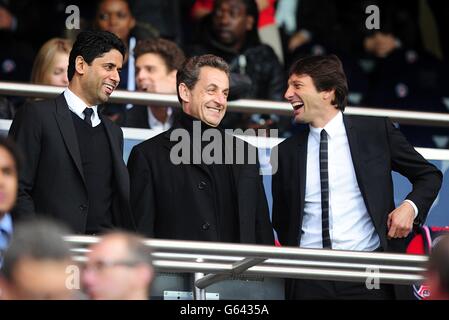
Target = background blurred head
(119,267)
(115,16)
(234,22)
(438,270)
(35,264)
(9,168)
(203,88)
(51,63)
(157,62)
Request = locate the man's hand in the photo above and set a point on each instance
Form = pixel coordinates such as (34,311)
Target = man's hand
(400,221)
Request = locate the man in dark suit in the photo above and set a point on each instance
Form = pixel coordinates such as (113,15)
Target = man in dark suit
(157,62)
(333,187)
(199,199)
(74,168)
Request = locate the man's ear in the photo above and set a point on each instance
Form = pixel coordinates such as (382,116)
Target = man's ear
(249,23)
(329,94)
(184,92)
(80,65)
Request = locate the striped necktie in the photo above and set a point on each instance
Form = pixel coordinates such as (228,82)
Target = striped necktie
(324,179)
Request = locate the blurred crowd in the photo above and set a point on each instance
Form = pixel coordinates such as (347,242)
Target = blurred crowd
(400,64)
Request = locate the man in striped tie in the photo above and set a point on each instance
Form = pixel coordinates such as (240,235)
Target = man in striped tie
(333,186)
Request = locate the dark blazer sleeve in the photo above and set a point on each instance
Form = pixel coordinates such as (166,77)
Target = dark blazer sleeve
(26,131)
(425,177)
(142,192)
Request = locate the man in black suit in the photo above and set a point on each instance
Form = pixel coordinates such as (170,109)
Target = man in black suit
(157,62)
(179,198)
(74,168)
(333,187)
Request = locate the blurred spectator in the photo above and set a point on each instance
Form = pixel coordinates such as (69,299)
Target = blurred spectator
(7,108)
(164,15)
(9,167)
(231,32)
(33,22)
(157,62)
(116,16)
(119,267)
(51,63)
(36,262)
(438,270)
(268,30)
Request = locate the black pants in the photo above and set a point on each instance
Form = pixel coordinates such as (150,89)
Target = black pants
(301,289)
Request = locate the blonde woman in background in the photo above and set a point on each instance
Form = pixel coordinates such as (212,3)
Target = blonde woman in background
(50,65)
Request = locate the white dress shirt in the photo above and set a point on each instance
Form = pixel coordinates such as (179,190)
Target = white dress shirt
(158,126)
(77,106)
(350,225)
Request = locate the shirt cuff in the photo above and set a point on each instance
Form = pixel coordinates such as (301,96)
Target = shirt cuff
(415,208)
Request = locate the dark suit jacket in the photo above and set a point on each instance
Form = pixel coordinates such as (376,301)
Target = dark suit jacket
(52,181)
(175,202)
(377,148)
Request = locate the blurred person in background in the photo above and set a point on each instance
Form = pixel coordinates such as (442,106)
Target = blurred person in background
(9,168)
(36,263)
(51,63)
(157,62)
(119,267)
(437,274)
(117,16)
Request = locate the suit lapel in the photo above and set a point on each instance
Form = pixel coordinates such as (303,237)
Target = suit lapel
(65,123)
(299,175)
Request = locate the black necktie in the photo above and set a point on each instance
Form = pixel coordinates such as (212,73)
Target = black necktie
(87,115)
(324,179)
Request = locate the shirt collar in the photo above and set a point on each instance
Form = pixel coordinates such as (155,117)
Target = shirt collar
(155,122)
(76,105)
(6,224)
(334,127)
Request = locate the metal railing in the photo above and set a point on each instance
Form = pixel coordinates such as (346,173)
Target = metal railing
(244,105)
(222,261)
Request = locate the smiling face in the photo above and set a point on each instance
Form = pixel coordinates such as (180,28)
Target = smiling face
(207,101)
(99,79)
(153,76)
(309,105)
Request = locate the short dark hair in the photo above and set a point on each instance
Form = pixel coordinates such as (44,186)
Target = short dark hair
(169,51)
(39,239)
(327,73)
(190,70)
(91,45)
(12,148)
(439,262)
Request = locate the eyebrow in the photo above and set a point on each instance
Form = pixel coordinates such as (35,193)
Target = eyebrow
(214,86)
